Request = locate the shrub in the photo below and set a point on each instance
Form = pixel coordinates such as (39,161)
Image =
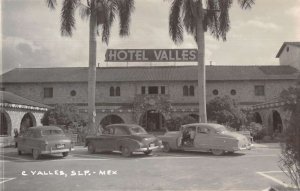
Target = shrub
(290,147)
(174,123)
(224,110)
(66,116)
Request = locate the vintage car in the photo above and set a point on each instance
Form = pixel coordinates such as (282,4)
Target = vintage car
(206,137)
(44,140)
(127,138)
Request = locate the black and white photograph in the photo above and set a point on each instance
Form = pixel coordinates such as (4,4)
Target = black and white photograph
(152,95)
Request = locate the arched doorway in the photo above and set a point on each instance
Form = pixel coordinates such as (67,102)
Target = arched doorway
(257,118)
(5,129)
(152,120)
(27,121)
(277,122)
(111,119)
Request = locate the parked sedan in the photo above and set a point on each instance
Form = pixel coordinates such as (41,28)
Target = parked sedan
(44,140)
(207,137)
(127,138)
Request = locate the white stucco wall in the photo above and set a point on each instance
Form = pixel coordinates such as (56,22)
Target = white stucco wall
(290,56)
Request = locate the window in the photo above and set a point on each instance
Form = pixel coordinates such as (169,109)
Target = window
(48,92)
(153,90)
(111,91)
(52,132)
(192,91)
(185,91)
(233,92)
(73,93)
(114,91)
(2,89)
(203,130)
(287,48)
(163,90)
(259,90)
(215,92)
(188,90)
(143,90)
(120,131)
(118,91)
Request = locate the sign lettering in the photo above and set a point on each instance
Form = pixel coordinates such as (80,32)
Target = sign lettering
(151,55)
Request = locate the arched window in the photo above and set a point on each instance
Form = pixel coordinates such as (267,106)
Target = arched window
(185,90)
(192,91)
(215,92)
(233,92)
(118,91)
(112,91)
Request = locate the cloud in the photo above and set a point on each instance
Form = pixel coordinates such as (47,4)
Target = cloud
(294,11)
(18,52)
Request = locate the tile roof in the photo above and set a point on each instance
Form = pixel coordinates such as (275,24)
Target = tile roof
(158,73)
(7,97)
(284,44)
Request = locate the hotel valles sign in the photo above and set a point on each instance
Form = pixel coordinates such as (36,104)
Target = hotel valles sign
(151,55)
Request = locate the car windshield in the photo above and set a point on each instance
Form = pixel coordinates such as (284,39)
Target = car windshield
(137,130)
(52,132)
(220,129)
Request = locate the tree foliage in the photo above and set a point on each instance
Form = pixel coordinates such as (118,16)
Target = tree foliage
(105,11)
(64,115)
(184,14)
(224,110)
(290,158)
(174,123)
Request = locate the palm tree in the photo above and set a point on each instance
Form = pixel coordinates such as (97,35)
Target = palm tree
(101,14)
(196,20)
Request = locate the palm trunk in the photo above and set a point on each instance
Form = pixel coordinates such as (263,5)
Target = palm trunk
(201,68)
(92,71)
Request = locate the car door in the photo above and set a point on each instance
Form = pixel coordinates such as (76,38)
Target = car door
(32,141)
(203,137)
(104,142)
(120,136)
(24,141)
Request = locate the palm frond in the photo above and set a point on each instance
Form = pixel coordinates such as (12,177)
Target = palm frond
(125,8)
(106,14)
(189,21)
(224,20)
(67,17)
(51,3)
(246,4)
(175,22)
(211,18)
(84,11)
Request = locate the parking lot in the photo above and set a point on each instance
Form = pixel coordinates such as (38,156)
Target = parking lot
(256,169)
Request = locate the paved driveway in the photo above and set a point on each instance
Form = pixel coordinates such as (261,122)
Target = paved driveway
(256,169)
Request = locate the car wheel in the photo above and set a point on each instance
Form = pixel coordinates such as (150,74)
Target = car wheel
(65,154)
(35,154)
(126,151)
(19,152)
(166,147)
(91,148)
(148,152)
(217,152)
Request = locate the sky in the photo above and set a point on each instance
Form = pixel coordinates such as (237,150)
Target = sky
(31,35)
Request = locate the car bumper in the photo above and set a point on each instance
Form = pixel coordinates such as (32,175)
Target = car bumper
(248,147)
(149,148)
(57,151)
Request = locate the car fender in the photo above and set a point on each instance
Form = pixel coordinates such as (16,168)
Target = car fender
(173,141)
